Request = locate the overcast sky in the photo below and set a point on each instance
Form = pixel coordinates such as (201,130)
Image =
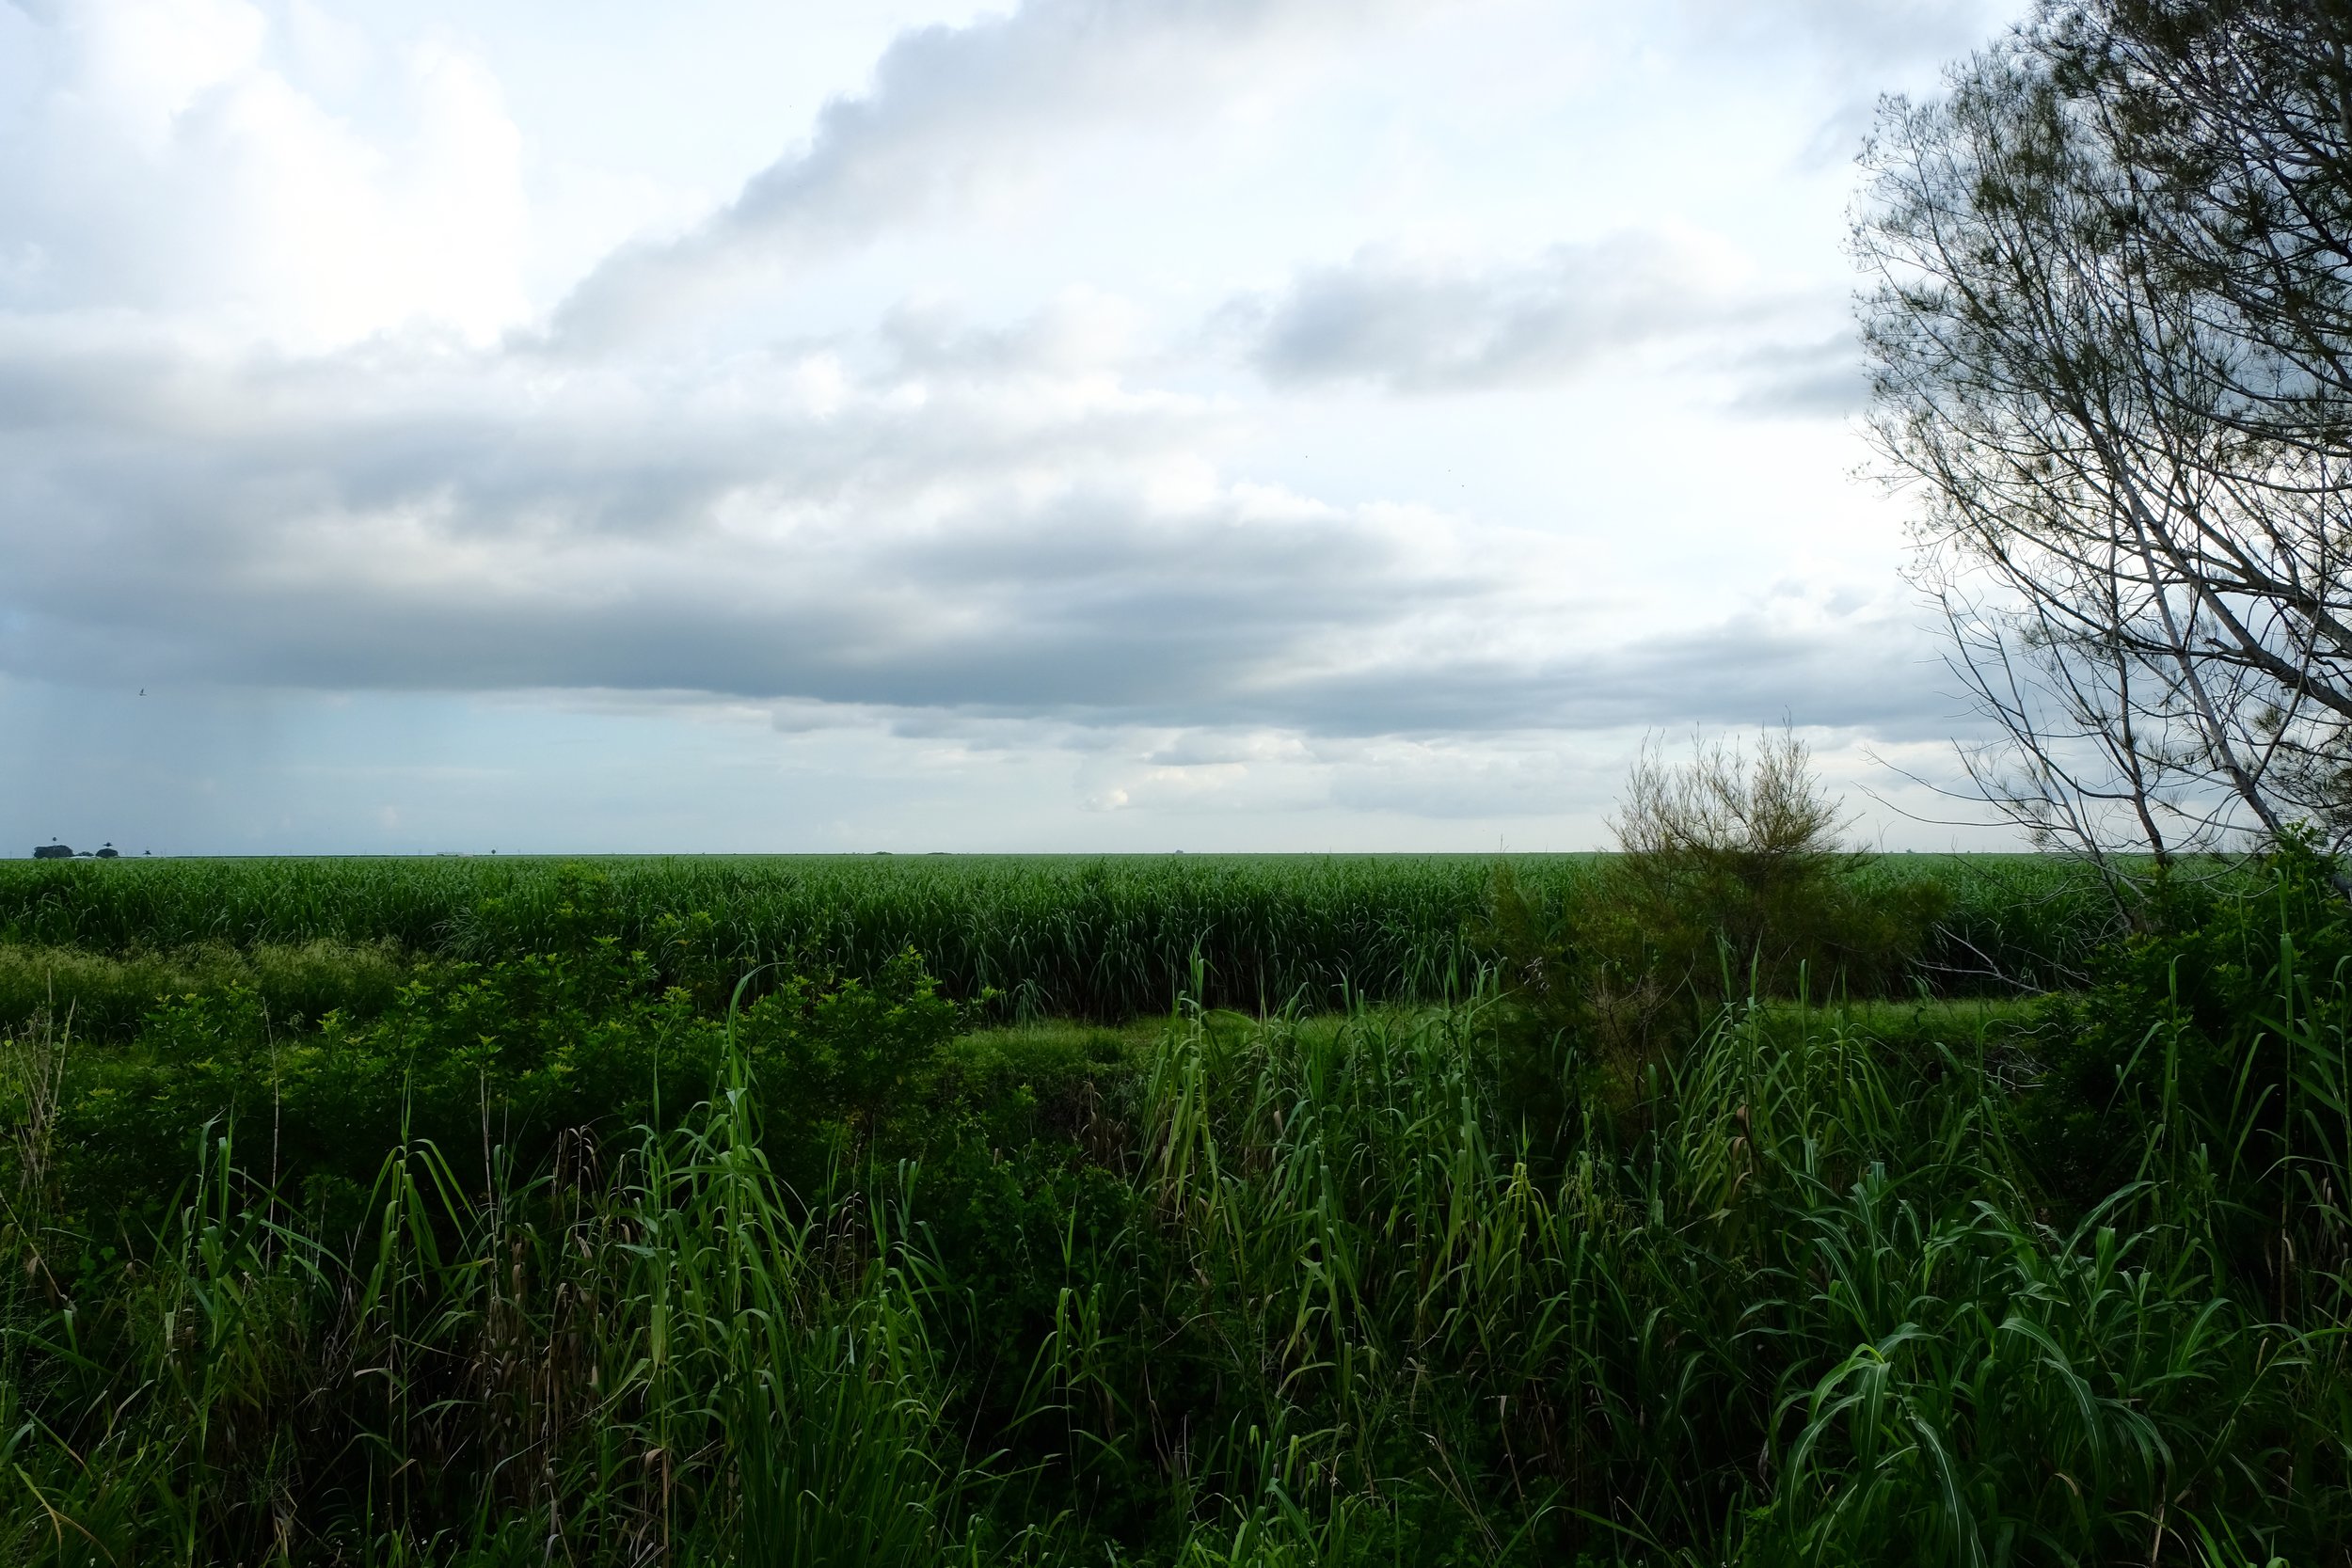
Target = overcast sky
(1093,424)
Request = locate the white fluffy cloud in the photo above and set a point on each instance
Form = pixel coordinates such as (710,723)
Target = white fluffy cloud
(163,160)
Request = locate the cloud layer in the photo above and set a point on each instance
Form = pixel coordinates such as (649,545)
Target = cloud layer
(1034,542)
(1295,434)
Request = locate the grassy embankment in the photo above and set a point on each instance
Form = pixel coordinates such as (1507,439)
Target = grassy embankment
(451,1213)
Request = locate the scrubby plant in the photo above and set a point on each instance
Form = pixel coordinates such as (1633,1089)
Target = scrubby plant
(1732,878)
(508,1057)
(1728,862)
(2215,1049)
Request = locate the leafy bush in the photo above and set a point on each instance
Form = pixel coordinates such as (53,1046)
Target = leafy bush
(490,1062)
(103,997)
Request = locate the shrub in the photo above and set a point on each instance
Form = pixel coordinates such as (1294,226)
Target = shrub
(1732,879)
(103,997)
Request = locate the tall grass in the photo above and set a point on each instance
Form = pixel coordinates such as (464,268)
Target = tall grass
(667,1359)
(1272,1291)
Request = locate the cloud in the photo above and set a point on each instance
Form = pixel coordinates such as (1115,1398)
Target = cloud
(268,426)
(155,158)
(1033,542)
(1824,378)
(951,112)
(457,522)
(1413,325)
(1861,671)
(1082,331)
(1445,780)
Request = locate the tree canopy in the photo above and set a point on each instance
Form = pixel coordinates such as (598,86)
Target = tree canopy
(2109,317)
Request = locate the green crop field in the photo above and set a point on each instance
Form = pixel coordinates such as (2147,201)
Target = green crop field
(1167,1209)
(1105,937)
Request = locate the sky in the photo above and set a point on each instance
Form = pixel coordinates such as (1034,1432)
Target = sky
(1070,425)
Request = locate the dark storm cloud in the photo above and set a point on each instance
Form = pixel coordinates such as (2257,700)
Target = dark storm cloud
(1419,325)
(885,554)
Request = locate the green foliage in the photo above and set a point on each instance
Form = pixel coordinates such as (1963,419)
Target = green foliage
(1055,936)
(1728,862)
(485,1063)
(1310,1304)
(2212,1049)
(561,1255)
(1108,938)
(2014,922)
(104,996)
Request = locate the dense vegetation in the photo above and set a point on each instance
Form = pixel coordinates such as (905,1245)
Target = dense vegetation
(1060,936)
(402,1229)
